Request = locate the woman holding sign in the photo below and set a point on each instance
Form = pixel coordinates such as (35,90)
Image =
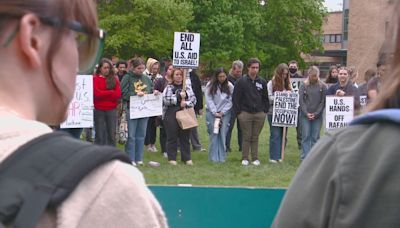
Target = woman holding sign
(312,103)
(219,105)
(135,83)
(106,93)
(174,100)
(280,82)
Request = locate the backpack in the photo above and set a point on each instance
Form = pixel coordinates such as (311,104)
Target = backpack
(44,172)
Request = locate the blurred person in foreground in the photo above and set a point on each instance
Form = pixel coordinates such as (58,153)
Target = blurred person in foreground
(44,43)
(351,177)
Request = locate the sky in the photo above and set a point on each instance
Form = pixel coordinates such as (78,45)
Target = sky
(334,5)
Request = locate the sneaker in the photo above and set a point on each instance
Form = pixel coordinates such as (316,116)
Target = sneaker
(172,162)
(280,160)
(190,162)
(256,163)
(245,162)
(154,148)
(134,163)
(165,154)
(273,161)
(139,163)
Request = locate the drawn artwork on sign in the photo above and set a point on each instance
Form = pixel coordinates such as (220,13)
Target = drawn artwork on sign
(339,111)
(145,106)
(186,53)
(80,110)
(285,109)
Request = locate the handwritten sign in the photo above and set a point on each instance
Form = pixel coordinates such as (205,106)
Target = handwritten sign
(285,109)
(186,50)
(339,111)
(145,106)
(296,83)
(80,110)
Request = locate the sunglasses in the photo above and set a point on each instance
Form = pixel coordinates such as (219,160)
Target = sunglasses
(90,44)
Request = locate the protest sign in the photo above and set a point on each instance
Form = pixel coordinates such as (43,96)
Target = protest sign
(80,110)
(296,83)
(339,111)
(363,101)
(145,106)
(186,50)
(285,109)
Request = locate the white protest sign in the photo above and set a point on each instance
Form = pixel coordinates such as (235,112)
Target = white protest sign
(186,50)
(285,109)
(339,111)
(363,101)
(145,106)
(80,110)
(296,83)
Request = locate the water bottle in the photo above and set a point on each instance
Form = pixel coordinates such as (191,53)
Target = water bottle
(217,122)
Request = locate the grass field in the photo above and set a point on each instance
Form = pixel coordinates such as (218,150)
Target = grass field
(230,173)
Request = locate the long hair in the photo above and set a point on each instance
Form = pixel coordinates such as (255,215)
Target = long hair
(110,78)
(281,82)
(390,96)
(214,84)
(329,77)
(313,70)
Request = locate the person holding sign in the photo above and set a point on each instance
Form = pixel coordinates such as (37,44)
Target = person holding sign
(250,103)
(351,177)
(45,44)
(280,82)
(175,99)
(219,104)
(106,93)
(135,83)
(344,87)
(312,103)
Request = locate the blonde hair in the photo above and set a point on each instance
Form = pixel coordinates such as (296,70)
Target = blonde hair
(313,70)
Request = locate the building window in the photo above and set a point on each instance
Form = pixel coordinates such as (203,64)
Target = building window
(332,38)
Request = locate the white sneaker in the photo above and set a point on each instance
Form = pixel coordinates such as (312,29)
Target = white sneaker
(134,163)
(245,162)
(273,161)
(154,149)
(256,163)
(172,162)
(190,162)
(139,163)
(165,154)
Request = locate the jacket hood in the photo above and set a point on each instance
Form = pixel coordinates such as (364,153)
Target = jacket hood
(150,63)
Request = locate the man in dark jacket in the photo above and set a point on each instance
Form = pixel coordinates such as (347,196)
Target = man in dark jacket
(234,75)
(198,108)
(250,103)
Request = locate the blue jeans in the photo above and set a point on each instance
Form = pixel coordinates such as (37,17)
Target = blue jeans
(136,133)
(275,140)
(217,147)
(310,133)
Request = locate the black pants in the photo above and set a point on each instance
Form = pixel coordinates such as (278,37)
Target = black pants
(229,134)
(151,132)
(173,133)
(163,137)
(105,126)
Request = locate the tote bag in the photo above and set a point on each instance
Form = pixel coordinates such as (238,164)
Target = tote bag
(186,118)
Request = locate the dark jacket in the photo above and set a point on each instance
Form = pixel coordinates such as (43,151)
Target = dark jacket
(250,96)
(349,89)
(196,87)
(349,179)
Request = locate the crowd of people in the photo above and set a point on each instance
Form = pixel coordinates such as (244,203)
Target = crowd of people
(230,96)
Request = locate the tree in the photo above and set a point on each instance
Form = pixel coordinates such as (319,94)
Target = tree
(142,27)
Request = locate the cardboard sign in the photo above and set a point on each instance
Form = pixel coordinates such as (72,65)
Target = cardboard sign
(339,111)
(296,83)
(186,50)
(145,106)
(80,110)
(285,109)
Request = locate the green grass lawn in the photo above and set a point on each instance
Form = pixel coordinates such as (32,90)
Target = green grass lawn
(230,173)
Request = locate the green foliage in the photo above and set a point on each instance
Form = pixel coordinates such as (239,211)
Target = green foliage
(230,29)
(142,27)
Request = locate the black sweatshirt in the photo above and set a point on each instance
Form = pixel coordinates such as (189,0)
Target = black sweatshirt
(250,96)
